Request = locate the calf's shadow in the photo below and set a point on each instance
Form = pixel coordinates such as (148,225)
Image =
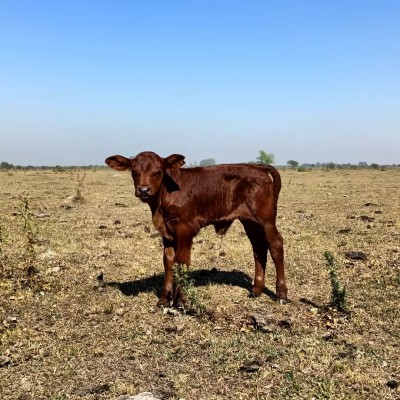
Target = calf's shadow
(200,277)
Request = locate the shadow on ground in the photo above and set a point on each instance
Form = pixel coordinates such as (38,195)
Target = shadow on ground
(201,277)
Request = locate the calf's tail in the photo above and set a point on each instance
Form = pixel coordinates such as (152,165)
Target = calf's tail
(276,185)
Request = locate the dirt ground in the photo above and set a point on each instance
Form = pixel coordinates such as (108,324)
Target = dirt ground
(67,334)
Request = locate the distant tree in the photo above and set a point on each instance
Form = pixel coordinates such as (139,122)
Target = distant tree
(331,165)
(362,164)
(6,165)
(293,164)
(375,166)
(207,162)
(265,158)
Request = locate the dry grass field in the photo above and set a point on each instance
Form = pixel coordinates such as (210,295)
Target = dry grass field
(64,334)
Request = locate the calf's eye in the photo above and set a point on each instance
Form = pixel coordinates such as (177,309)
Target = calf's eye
(157,173)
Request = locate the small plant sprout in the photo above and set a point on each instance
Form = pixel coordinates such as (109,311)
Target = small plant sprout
(29,228)
(1,238)
(182,280)
(338,291)
(79,185)
(1,248)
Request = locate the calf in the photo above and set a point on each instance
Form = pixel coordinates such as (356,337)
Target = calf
(184,200)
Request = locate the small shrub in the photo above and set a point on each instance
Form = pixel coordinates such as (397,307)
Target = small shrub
(338,292)
(303,169)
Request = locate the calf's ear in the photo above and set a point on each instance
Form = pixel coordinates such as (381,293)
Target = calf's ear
(174,161)
(118,163)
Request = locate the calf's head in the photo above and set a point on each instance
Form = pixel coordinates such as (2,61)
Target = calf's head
(148,171)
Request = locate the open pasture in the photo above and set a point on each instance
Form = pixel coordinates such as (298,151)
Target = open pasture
(64,334)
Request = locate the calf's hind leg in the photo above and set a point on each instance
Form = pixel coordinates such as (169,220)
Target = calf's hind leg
(275,244)
(256,235)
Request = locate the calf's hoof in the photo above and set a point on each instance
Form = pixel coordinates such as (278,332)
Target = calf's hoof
(281,293)
(180,301)
(163,303)
(256,291)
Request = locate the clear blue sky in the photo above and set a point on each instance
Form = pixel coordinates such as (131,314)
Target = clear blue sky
(306,80)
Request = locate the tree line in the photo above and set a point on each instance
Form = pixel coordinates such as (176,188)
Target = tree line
(269,158)
(57,168)
(263,158)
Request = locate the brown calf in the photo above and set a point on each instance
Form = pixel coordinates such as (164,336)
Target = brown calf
(184,200)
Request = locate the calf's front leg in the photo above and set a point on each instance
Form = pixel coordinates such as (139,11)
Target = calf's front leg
(182,257)
(167,292)
(176,252)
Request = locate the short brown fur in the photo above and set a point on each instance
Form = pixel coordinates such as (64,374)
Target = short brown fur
(184,200)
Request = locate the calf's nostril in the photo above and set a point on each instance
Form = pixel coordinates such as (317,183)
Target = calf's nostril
(143,189)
